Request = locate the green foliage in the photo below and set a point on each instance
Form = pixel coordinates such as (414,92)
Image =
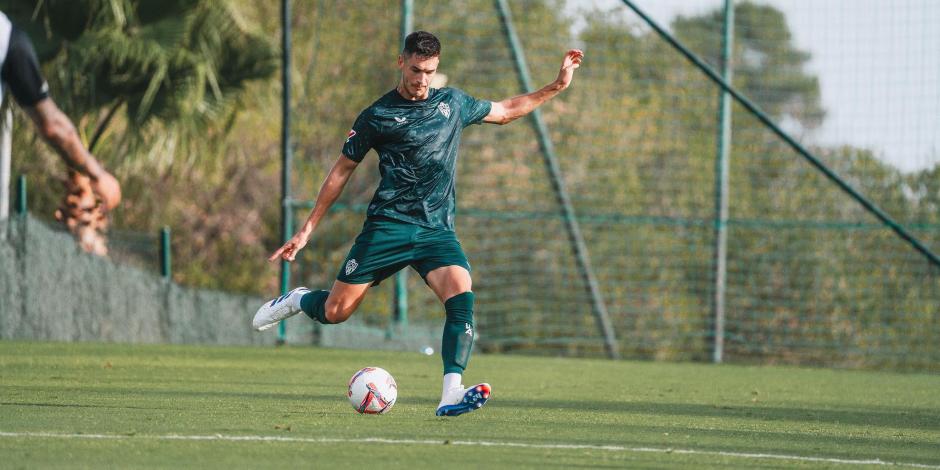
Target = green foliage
(155,88)
(767,65)
(175,61)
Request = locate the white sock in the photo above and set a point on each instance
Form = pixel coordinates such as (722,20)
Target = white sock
(451,380)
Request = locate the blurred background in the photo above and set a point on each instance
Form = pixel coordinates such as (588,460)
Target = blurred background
(182,101)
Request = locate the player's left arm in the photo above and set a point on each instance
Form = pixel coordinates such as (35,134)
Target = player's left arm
(508,110)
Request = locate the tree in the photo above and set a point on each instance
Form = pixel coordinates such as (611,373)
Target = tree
(767,65)
(166,71)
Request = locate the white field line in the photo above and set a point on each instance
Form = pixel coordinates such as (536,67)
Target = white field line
(378,440)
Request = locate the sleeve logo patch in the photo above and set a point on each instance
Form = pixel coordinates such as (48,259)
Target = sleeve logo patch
(350,135)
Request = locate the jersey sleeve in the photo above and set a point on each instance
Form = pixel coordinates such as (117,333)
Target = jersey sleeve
(21,70)
(360,138)
(472,110)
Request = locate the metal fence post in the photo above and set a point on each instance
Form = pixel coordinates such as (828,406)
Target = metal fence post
(165,254)
(599,308)
(21,195)
(287,213)
(407,20)
(6,139)
(721,186)
(400,297)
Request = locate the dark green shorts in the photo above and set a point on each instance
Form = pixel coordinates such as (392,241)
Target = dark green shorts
(385,246)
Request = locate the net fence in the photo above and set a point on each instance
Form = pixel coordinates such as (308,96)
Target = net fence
(53,291)
(812,277)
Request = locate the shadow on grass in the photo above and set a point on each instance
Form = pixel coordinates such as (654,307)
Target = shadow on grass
(117,398)
(902,418)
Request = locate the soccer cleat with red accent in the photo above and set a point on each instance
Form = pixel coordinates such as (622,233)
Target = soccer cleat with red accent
(464,400)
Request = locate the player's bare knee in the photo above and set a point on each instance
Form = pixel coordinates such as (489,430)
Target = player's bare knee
(450,295)
(455,288)
(335,315)
(337,311)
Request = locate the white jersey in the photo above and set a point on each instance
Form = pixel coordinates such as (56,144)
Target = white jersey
(5,29)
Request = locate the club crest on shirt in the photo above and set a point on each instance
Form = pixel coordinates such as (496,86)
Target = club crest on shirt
(350,135)
(444,108)
(351,266)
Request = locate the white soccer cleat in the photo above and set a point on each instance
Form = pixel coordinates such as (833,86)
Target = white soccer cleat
(285,306)
(459,400)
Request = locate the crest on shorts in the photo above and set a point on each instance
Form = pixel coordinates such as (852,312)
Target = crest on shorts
(351,266)
(444,108)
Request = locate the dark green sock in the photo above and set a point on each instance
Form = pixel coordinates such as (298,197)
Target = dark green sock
(313,304)
(457,340)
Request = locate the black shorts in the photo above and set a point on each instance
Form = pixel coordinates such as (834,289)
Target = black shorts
(21,72)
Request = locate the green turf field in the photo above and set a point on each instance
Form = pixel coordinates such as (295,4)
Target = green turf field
(104,405)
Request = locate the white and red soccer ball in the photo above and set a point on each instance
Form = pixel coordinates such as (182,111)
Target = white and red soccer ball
(372,390)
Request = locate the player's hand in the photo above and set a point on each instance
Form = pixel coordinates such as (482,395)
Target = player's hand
(107,188)
(571,61)
(290,249)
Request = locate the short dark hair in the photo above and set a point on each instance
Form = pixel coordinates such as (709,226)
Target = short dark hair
(422,43)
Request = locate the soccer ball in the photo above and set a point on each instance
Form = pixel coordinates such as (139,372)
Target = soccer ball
(372,391)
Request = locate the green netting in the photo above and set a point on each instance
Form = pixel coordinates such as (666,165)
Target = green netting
(811,276)
(138,249)
(54,291)
(51,290)
(126,247)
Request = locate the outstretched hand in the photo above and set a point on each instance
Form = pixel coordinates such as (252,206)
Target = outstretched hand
(290,249)
(571,61)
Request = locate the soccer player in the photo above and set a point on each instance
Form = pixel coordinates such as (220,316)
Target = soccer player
(19,70)
(415,129)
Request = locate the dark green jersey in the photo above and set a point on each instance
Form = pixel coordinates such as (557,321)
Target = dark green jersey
(417,145)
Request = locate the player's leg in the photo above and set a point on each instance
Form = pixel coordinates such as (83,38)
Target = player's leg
(324,306)
(444,266)
(335,305)
(452,285)
(381,249)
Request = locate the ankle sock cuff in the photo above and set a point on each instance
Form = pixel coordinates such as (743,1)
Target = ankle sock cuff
(313,304)
(462,301)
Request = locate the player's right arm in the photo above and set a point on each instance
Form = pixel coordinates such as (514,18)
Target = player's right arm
(57,129)
(21,73)
(332,187)
(358,142)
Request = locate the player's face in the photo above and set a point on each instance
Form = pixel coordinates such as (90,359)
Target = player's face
(416,75)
